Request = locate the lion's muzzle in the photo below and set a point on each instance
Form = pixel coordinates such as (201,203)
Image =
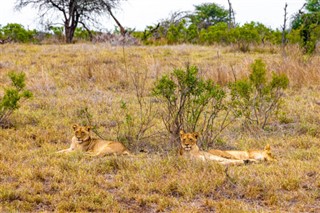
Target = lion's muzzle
(187,147)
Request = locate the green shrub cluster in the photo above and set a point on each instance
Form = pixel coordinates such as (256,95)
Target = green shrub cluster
(241,36)
(210,24)
(194,104)
(17,33)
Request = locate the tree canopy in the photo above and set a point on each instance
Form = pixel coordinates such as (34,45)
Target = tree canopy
(313,5)
(209,14)
(72,12)
(307,23)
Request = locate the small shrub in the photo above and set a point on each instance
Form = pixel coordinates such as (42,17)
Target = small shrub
(256,98)
(82,34)
(189,102)
(13,96)
(134,125)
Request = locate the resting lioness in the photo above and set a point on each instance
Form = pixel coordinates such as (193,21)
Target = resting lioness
(189,148)
(259,155)
(83,141)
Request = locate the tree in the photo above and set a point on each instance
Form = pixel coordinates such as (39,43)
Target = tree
(74,12)
(168,28)
(313,6)
(184,26)
(209,14)
(308,24)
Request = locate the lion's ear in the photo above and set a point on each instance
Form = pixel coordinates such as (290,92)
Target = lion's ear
(181,132)
(196,135)
(267,147)
(75,126)
(88,128)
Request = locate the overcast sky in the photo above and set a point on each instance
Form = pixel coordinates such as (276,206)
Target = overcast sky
(140,13)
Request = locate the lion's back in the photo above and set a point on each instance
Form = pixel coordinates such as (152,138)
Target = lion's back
(110,147)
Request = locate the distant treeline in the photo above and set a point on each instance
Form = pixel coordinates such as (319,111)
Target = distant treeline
(212,24)
(208,24)
(14,32)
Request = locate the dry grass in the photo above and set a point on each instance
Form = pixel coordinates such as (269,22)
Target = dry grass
(66,79)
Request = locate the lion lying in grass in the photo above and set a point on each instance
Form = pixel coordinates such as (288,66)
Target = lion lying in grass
(189,148)
(83,141)
(258,155)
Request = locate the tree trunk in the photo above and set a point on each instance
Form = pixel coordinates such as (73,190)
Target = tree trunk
(69,32)
(70,26)
(231,22)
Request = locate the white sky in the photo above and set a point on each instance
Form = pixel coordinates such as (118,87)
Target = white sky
(140,13)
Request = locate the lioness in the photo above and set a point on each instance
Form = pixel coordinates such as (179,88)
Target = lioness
(259,155)
(189,148)
(83,141)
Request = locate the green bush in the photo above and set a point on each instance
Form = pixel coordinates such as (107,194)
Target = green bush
(192,34)
(177,33)
(244,36)
(218,33)
(13,96)
(57,31)
(81,33)
(257,99)
(189,102)
(241,36)
(17,33)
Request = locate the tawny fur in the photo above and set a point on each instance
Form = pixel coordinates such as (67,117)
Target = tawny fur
(190,149)
(259,155)
(83,141)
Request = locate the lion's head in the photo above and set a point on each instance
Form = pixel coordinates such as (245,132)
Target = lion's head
(188,140)
(268,156)
(82,133)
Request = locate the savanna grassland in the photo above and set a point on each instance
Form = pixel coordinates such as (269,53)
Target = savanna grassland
(109,88)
